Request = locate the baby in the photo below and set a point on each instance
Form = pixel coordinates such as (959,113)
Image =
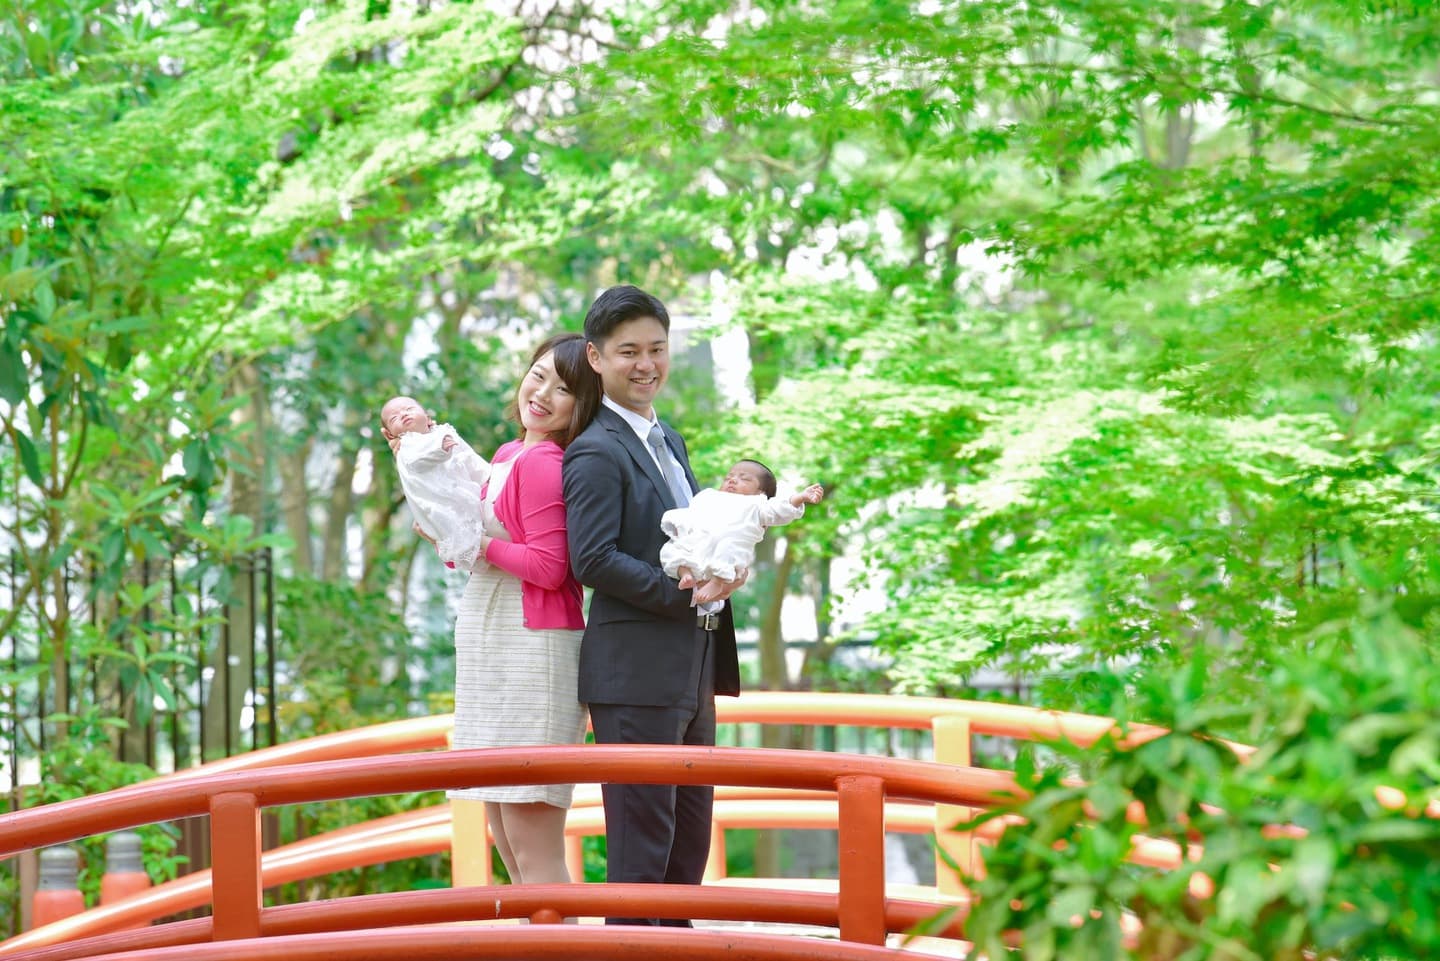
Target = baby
(441,476)
(715,537)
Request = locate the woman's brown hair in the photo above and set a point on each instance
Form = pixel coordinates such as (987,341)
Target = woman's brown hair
(576,374)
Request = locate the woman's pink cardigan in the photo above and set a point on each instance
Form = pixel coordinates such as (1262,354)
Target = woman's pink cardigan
(532,508)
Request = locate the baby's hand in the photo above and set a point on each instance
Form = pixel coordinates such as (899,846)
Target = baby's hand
(687,578)
(391,440)
(447,443)
(810,495)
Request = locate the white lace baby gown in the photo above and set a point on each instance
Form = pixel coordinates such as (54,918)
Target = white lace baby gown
(443,489)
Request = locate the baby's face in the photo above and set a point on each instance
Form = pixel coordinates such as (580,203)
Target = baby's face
(743,478)
(404,415)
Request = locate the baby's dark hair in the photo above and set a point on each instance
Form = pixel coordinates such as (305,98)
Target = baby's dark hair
(767,477)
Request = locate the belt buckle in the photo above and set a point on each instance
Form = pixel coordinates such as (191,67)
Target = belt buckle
(708,622)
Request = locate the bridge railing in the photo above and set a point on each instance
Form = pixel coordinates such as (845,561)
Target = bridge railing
(427,831)
(953,725)
(234,799)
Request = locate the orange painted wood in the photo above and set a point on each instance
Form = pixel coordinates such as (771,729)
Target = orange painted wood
(557,942)
(345,765)
(145,803)
(763,905)
(235,854)
(862,858)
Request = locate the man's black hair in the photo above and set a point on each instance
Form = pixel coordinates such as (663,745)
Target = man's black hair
(618,305)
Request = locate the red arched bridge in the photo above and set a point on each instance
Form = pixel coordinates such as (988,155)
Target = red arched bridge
(860,796)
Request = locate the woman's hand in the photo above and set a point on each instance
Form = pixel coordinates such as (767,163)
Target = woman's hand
(421,531)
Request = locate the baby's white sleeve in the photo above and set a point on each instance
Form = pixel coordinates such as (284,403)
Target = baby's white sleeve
(477,467)
(420,452)
(779,510)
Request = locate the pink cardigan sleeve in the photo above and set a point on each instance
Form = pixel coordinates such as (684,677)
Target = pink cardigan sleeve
(534,499)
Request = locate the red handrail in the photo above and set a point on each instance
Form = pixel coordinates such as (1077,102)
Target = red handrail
(543,942)
(755,707)
(523,901)
(151,801)
(234,800)
(427,831)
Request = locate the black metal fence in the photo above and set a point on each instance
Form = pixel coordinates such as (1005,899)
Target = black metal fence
(187,662)
(174,666)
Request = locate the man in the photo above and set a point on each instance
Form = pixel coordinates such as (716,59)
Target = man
(650,663)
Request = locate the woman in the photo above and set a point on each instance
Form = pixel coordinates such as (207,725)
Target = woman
(517,635)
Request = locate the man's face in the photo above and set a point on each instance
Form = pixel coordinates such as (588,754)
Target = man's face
(633,364)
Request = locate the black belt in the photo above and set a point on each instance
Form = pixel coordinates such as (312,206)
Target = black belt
(708,622)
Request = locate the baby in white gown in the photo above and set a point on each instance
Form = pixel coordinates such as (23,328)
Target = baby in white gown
(442,478)
(715,537)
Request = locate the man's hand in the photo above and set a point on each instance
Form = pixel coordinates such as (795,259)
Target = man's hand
(687,578)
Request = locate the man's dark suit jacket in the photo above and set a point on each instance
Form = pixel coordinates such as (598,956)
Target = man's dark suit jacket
(640,644)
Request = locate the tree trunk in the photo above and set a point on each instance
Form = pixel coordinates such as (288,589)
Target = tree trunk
(334,548)
(376,520)
(295,507)
(773,673)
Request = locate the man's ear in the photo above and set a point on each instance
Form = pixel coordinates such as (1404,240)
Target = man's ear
(592,354)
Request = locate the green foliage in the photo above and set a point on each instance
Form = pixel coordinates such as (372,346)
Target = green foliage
(1297,849)
(307,820)
(350,658)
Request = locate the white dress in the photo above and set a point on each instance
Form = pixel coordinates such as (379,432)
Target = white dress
(442,488)
(514,687)
(718,532)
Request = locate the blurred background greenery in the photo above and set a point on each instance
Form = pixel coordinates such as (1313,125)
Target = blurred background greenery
(1109,327)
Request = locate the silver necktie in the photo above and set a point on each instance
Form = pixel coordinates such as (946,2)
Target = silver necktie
(679,487)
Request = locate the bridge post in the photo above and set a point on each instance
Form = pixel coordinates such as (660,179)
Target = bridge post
(235,866)
(470,844)
(715,868)
(952,746)
(862,858)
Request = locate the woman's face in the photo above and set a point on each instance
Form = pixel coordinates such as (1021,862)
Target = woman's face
(545,402)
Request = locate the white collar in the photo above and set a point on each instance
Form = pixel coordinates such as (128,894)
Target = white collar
(638,423)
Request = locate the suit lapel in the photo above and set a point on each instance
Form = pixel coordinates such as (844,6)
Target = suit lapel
(639,453)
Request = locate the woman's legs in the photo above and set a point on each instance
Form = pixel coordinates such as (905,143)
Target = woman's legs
(535,835)
(494,814)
